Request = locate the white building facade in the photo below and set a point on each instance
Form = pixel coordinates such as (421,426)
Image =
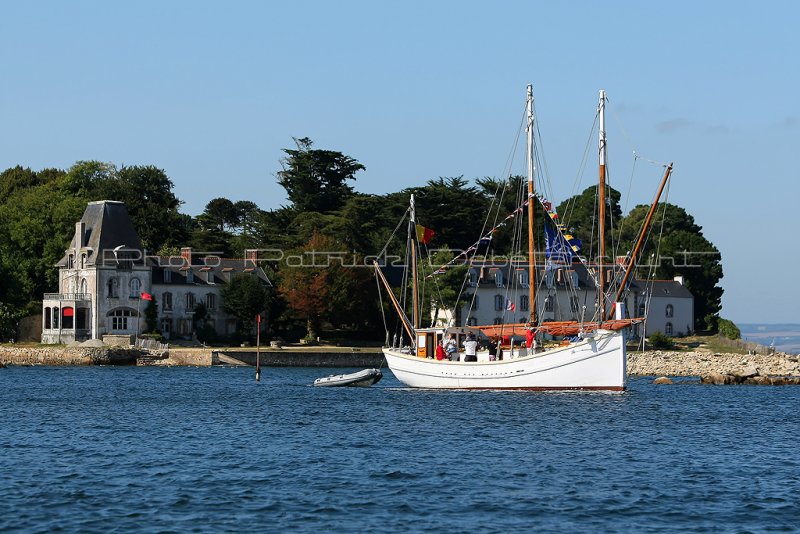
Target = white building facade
(105,272)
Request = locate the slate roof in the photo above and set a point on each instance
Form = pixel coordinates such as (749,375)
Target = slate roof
(107,226)
(208,270)
(669,288)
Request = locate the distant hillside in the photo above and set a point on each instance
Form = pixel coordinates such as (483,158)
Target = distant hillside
(785,337)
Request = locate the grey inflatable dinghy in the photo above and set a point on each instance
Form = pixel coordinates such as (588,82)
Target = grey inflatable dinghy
(364,378)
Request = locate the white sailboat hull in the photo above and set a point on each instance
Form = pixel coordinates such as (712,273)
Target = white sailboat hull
(597,363)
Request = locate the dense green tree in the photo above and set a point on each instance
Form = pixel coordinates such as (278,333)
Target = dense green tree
(580,215)
(36,225)
(316,180)
(678,246)
(244,297)
(151,316)
(455,210)
(220,214)
(327,287)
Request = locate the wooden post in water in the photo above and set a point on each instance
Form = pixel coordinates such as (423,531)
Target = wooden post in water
(258,347)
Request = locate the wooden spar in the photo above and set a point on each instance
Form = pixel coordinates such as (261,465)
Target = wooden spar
(602,201)
(413,243)
(396,304)
(642,234)
(531,248)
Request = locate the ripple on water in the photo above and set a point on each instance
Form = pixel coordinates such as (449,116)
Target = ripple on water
(104,449)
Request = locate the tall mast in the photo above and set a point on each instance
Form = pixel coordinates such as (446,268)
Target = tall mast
(413,243)
(531,248)
(602,200)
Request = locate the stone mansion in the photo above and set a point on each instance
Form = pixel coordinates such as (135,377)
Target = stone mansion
(105,272)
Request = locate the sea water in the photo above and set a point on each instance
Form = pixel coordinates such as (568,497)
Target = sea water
(116,449)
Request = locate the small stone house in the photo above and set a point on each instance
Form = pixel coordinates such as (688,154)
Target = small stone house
(105,271)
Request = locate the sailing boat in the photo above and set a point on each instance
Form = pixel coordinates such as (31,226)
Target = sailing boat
(592,358)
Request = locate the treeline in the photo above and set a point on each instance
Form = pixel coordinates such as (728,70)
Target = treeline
(38,210)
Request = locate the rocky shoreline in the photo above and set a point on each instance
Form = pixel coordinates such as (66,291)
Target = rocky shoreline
(717,368)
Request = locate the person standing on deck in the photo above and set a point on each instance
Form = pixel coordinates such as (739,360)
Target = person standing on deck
(470,349)
(529,336)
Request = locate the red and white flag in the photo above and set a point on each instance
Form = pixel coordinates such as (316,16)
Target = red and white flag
(146,296)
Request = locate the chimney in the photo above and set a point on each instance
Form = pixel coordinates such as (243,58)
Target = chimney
(186,254)
(679,279)
(80,235)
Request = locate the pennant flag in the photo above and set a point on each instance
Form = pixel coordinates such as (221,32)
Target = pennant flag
(146,296)
(560,246)
(510,306)
(424,235)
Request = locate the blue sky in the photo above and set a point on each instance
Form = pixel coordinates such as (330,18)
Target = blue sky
(211,93)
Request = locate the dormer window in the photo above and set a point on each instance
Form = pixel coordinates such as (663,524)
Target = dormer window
(472,278)
(167,276)
(70,261)
(190,277)
(498,278)
(523,279)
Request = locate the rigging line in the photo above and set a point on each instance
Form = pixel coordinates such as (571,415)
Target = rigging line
(625,208)
(402,219)
(652,161)
(383,311)
(581,168)
(509,160)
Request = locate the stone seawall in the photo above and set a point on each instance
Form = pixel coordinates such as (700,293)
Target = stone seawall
(367,357)
(68,355)
(649,363)
(700,363)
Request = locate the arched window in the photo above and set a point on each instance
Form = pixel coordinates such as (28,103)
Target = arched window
(498,303)
(166,301)
(670,310)
(48,318)
(668,329)
(136,285)
(56,315)
(84,286)
(70,262)
(119,318)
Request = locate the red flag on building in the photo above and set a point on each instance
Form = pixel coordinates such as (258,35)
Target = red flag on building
(424,235)
(146,296)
